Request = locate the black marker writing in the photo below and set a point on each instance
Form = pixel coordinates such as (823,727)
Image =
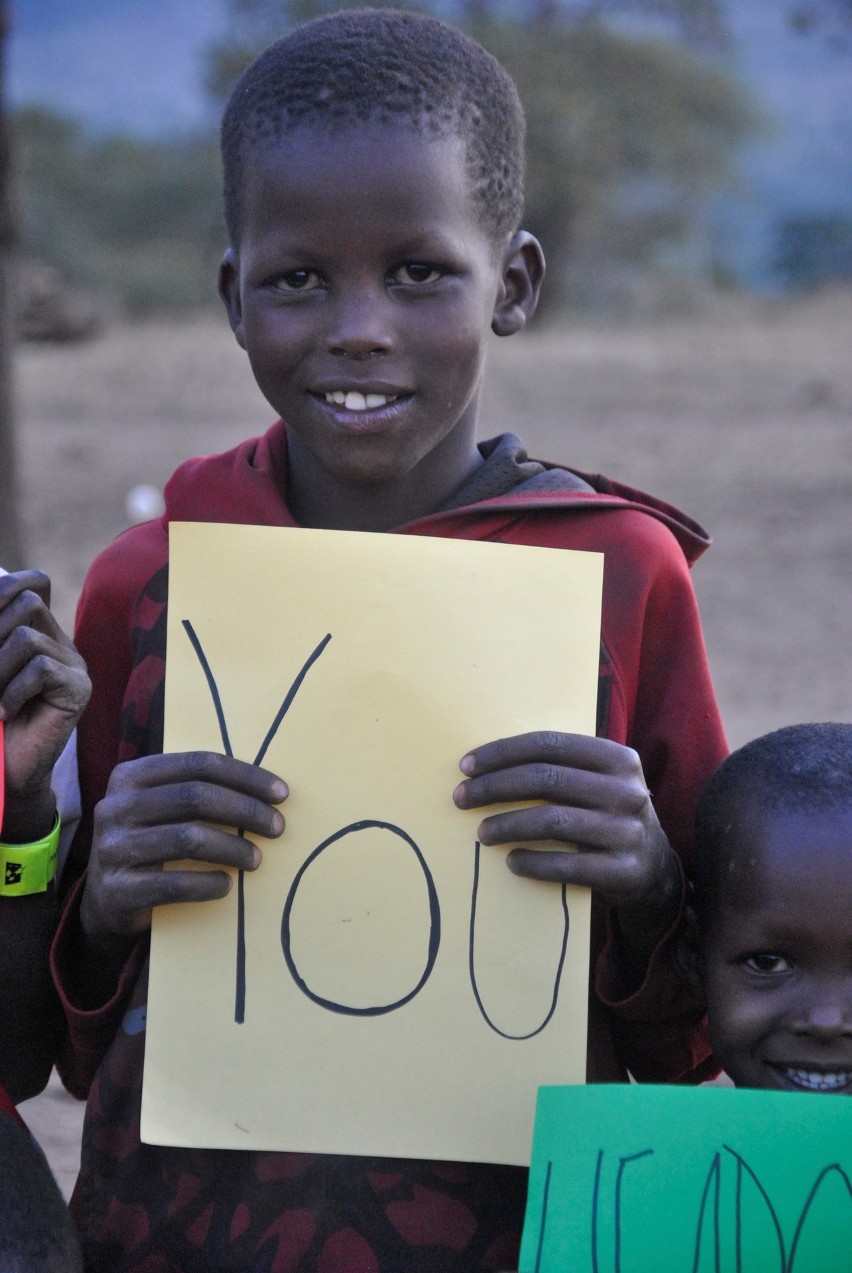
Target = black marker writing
(619,1180)
(543,1224)
(434,924)
(434,938)
(472,962)
(714,1177)
(787,1263)
(240,987)
(607,1199)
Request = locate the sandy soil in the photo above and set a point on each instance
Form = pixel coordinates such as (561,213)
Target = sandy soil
(742,417)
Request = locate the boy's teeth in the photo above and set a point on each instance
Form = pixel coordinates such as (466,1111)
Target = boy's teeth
(817,1081)
(354,401)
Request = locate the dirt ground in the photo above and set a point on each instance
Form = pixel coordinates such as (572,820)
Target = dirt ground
(743,417)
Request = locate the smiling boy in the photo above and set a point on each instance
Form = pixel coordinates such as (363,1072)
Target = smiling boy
(774,904)
(373,175)
(371,345)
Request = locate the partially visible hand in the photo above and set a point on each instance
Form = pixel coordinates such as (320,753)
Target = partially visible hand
(160,809)
(591,794)
(43,687)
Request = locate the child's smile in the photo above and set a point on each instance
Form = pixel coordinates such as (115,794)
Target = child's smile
(367,406)
(363,291)
(778,962)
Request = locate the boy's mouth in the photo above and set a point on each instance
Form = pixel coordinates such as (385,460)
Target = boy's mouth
(808,1080)
(352,400)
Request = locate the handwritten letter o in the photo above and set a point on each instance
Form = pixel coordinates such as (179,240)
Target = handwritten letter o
(289,922)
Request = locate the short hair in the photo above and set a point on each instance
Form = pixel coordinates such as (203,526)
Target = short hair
(383,66)
(36,1231)
(799,768)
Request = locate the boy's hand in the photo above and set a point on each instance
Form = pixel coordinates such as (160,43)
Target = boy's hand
(185,805)
(595,798)
(43,690)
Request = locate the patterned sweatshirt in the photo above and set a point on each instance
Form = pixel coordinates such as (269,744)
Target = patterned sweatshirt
(149,1209)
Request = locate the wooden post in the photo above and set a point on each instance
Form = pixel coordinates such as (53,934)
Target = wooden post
(11,536)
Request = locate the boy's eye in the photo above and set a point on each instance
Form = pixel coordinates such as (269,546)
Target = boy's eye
(765,963)
(298,281)
(416,272)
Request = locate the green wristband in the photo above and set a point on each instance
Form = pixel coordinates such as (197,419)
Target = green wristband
(28,868)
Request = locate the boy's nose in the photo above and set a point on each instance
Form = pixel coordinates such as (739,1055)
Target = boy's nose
(826,1014)
(360,328)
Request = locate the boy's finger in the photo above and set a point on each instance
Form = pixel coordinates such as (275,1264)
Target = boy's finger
(184,804)
(588,828)
(576,751)
(18,585)
(199,767)
(56,684)
(135,895)
(25,644)
(592,870)
(539,781)
(184,842)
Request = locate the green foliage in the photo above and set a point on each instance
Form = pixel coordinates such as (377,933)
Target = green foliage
(137,219)
(627,136)
(254,23)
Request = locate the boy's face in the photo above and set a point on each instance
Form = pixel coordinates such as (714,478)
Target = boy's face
(777,953)
(363,291)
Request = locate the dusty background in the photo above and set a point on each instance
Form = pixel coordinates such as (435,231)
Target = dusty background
(743,417)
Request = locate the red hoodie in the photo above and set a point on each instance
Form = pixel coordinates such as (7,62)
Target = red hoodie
(148,1209)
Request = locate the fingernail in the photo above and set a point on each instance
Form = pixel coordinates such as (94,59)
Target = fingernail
(256,858)
(458,794)
(467,764)
(279,791)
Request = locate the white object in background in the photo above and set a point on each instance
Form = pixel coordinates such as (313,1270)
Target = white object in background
(144,503)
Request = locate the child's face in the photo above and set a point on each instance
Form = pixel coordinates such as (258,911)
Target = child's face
(363,291)
(777,953)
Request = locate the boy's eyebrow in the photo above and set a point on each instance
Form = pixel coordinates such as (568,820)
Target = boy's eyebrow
(426,242)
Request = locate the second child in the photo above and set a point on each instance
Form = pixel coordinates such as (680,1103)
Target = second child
(774,905)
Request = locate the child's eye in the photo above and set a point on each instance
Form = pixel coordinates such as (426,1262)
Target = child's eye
(416,272)
(765,963)
(298,281)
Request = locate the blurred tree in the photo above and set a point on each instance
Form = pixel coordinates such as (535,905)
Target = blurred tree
(253,23)
(138,219)
(628,135)
(628,138)
(11,536)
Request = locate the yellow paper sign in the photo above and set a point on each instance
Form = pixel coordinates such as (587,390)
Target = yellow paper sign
(380,985)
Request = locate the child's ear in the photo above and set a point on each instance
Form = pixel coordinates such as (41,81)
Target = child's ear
(686,954)
(520,283)
(229,290)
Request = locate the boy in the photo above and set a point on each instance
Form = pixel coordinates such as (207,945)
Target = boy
(774,904)
(373,189)
(43,690)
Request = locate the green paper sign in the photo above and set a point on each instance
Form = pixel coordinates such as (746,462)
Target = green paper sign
(645,1179)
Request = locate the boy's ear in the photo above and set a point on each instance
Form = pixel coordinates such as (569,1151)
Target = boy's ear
(229,290)
(686,954)
(520,283)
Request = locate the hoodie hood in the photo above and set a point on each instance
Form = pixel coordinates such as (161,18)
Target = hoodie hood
(247,486)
